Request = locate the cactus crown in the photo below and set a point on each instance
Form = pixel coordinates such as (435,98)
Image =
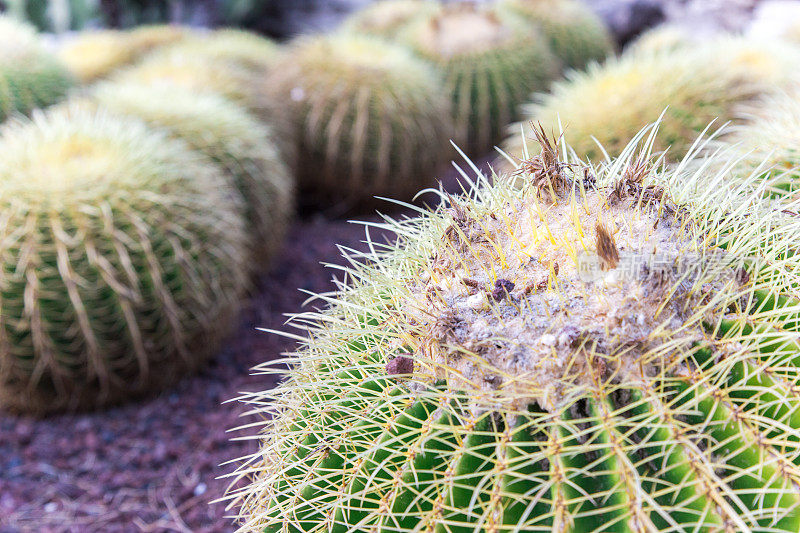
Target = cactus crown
(471,377)
(385,19)
(462,30)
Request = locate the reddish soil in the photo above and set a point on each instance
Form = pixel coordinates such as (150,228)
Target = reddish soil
(153,465)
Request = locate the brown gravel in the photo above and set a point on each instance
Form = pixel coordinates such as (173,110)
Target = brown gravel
(152,465)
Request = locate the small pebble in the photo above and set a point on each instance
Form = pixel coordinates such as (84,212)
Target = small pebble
(200,489)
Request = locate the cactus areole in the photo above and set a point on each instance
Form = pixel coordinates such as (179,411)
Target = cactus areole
(595,349)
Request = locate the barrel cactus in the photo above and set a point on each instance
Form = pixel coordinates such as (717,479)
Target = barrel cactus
(663,38)
(123,263)
(768,142)
(606,104)
(153,36)
(229,136)
(196,72)
(247,50)
(30,77)
(367,118)
(491,62)
(606,349)
(93,55)
(771,62)
(576,35)
(388,17)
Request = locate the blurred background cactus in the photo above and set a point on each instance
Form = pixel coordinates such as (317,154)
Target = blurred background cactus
(242,146)
(366,116)
(30,77)
(123,265)
(491,62)
(575,33)
(387,18)
(606,105)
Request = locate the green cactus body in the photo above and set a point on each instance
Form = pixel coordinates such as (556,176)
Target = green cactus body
(491,63)
(606,105)
(574,348)
(576,35)
(29,76)
(367,117)
(229,136)
(387,18)
(123,263)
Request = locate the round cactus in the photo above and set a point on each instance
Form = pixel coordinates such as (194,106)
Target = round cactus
(603,349)
(770,62)
(29,76)
(96,54)
(368,118)
(768,143)
(247,50)
(150,37)
(123,264)
(608,103)
(491,63)
(663,38)
(576,35)
(195,72)
(388,17)
(230,136)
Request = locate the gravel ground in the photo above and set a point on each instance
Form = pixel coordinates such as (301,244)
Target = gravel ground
(152,465)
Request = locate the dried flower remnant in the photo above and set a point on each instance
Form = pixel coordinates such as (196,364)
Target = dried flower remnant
(402,364)
(606,247)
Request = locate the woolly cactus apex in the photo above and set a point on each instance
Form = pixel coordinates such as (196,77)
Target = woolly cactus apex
(247,50)
(605,349)
(123,261)
(368,117)
(576,35)
(96,54)
(491,62)
(606,104)
(30,77)
(387,18)
(230,136)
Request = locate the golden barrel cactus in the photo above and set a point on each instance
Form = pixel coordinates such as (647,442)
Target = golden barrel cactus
(606,105)
(123,260)
(30,77)
(367,118)
(229,136)
(604,349)
(491,62)
(388,17)
(576,35)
